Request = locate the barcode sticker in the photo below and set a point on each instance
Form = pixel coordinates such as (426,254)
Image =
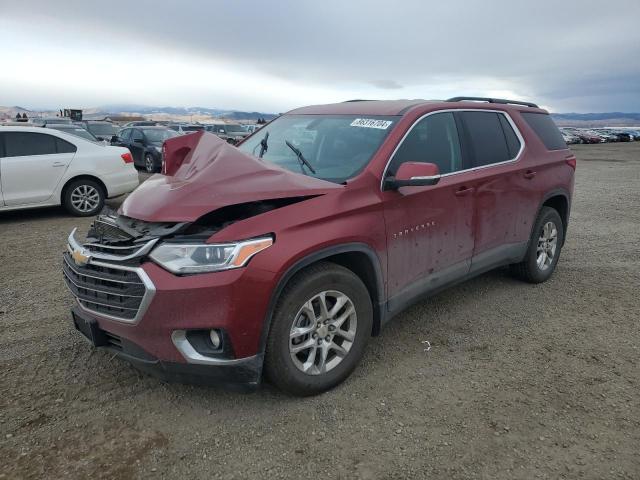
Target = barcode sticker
(371,123)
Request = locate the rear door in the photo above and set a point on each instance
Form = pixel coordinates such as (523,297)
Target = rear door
(504,208)
(136,145)
(32,166)
(429,229)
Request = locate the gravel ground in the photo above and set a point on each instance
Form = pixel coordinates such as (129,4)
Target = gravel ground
(521,381)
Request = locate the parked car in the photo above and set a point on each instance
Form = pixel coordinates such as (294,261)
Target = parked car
(230,132)
(621,135)
(73,129)
(251,128)
(102,130)
(145,144)
(183,129)
(43,121)
(605,134)
(140,123)
(44,167)
(284,255)
(570,138)
(585,136)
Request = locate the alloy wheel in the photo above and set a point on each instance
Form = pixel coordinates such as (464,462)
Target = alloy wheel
(547,245)
(85,198)
(148,163)
(323,332)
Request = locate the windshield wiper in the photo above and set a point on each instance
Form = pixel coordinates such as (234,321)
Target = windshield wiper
(263,145)
(303,161)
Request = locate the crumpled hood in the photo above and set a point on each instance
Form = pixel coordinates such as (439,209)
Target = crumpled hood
(203,173)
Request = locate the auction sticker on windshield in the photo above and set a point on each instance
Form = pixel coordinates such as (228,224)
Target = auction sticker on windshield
(371,123)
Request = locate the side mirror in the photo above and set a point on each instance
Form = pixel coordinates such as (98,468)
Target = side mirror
(413,174)
(115,139)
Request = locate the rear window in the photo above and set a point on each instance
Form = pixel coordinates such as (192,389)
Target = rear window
(546,129)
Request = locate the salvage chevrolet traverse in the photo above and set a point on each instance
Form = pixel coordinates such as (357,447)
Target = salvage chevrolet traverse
(228,267)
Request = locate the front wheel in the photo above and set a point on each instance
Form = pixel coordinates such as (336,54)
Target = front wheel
(320,328)
(544,248)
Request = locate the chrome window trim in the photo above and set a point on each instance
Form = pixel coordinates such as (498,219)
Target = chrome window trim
(453,110)
(191,355)
(149,293)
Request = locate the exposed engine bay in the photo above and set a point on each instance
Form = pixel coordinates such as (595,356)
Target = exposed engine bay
(115,230)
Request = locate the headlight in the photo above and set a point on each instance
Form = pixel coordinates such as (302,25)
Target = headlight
(158,149)
(197,258)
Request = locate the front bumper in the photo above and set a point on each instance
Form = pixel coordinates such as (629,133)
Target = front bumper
(149,311)
(243,373)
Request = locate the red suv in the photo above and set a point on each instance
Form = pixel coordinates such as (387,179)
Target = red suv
(285,254)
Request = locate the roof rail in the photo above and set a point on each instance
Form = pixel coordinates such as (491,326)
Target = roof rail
(358,100)
(492,100)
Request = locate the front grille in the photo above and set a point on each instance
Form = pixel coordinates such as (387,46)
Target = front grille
(105,290)
(112,250)
(107,228)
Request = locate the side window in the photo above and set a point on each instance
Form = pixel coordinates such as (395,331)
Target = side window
(62,146)
(18,144)
(488,141)
(136,135)
(125,134)
(434,139)
(546,129)
(513,143)
(2,145)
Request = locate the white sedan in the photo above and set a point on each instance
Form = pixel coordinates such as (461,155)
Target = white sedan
(44,167)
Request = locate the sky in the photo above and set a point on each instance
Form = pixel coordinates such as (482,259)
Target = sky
(275,55)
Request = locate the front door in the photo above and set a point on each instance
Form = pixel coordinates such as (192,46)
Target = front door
(430,234)
(32,166)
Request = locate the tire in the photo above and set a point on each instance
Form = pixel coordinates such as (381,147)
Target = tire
(150,163)
(341,355)
(83,198)
(532,269)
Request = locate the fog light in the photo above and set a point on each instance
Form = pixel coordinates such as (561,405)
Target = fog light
(216,341)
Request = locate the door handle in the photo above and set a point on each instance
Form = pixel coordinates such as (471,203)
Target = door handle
(464,191)
(529,174)
(59,164)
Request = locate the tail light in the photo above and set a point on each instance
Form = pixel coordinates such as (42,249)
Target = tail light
(127,157)
(571,161)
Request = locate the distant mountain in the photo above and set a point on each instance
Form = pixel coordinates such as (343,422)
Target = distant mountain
(204,115)
(611,119)
(151,111)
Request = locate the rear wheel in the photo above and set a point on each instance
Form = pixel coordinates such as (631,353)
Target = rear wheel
(83,198)
(149,163)
(320,328)
(544,248)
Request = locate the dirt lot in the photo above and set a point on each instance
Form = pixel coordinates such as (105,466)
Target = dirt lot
(521,381)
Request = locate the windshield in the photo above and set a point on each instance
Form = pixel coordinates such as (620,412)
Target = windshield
(101,129)
(229,127)
(159,135)
(78,132)
(338,147)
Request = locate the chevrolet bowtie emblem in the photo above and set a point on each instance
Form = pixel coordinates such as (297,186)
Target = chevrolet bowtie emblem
(80,257)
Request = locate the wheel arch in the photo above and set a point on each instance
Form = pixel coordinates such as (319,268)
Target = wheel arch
(559,201)
(357,257)
(66,185)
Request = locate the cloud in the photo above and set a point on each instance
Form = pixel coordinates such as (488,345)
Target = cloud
(386,84)
(284,53)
